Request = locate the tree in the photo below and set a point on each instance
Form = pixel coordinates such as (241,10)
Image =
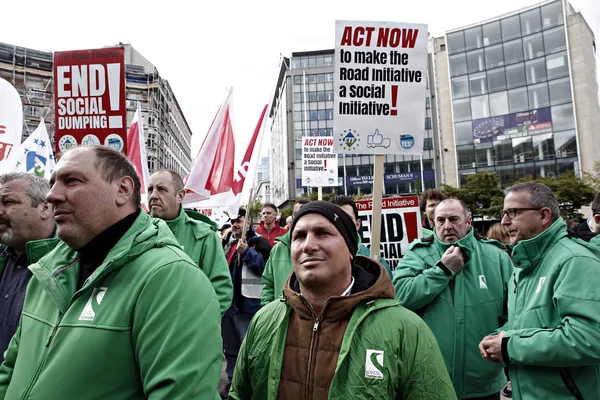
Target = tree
(572,193)
(593,178)
(481,193)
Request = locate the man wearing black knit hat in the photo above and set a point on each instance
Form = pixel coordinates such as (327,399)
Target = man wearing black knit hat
(337,332)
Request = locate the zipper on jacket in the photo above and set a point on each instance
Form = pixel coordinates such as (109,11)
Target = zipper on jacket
(42,360)
(313,341)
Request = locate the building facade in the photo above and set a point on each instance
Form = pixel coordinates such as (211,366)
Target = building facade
(167,132)
(303,106)
(517,95)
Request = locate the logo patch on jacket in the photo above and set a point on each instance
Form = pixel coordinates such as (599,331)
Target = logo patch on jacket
(374,364)
(539,286)
(96,297)
(482,282)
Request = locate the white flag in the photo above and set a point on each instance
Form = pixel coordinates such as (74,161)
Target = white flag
(33,156)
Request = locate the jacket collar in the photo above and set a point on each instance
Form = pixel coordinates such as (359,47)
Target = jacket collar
(466,244)
(527,254)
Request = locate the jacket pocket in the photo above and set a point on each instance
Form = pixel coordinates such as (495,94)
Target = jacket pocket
(570,383)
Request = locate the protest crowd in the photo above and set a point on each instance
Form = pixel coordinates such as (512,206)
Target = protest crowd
(106,299)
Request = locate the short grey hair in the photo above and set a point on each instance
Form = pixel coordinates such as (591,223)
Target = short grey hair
(463,205)
(540,196)
(37,188)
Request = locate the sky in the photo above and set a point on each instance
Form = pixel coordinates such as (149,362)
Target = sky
(202,48)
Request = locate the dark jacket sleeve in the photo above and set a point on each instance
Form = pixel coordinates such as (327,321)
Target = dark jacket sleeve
(257,254)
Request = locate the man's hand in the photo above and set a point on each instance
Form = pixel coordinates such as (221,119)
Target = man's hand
(491,347)
(453,259)
(242,246)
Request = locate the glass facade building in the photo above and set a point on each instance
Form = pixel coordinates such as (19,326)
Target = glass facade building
(512,96)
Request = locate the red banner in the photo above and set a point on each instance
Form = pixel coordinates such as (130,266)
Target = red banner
(89,98)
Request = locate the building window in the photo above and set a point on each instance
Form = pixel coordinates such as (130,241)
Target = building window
(511,28)
(498,103)
(462,109)
(428,123)
(538,95)
(458,65)
(477,83)
(531,21)
(465,156)
(554,40)
(536,71)
(515,75)
(496,80)
(513,51)
(517,100)
(473,38)
(560,91)
(484,155)
(480,107)
(565,143)
(562,117)
(557,65)
(533,46)
(543,147)
(494,56)
(428,144)
(460,87)
(463,132)
(552,14)
(504,151)
(475,62)
(491,33)
(456,42)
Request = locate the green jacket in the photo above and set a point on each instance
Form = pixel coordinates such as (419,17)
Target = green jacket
(34,249)
(279,267)
(202,244)
(412,366)
(461,309)
(553,335)
(145,325)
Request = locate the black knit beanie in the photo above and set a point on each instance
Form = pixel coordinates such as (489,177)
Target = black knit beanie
(336,216)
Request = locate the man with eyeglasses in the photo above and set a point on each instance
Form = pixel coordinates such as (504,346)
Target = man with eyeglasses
(457,281)
(551,342)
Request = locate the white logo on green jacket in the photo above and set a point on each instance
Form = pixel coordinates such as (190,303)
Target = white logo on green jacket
(374,364)
(88,313)
(539,286)
(482,282)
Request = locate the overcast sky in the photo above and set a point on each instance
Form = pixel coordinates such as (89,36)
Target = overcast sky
(203,47)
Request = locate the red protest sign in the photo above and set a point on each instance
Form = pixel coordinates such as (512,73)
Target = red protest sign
(89,98)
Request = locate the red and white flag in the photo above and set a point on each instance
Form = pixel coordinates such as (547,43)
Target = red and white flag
(137,154)
(11,119)
(213,181)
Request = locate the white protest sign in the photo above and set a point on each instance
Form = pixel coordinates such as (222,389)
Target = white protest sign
(380,88)
(400,225)
(319,162)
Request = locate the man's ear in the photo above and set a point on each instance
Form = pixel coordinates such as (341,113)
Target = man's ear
(597,220)
(125,190)
(46,209)
(546,216)
(180,196)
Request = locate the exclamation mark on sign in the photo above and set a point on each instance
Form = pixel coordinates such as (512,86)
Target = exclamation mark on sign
(114,93)
(325,165)
(394,100)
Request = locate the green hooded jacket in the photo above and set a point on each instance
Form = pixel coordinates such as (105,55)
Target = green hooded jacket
(201,243)
(553,331)
(410,367)
(35,249)
(279,267)
(461,309)
(145,325)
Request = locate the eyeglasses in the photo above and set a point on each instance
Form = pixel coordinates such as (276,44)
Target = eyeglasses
(513,212)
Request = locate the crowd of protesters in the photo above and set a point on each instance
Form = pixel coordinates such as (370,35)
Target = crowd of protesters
(102,298)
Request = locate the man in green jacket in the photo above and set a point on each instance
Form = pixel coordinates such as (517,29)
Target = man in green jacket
(279,264)
(552,339)
(27,231)
(338,332)
(198,239)
(457,282)
(116,310)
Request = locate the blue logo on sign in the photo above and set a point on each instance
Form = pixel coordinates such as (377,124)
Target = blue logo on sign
(407,141)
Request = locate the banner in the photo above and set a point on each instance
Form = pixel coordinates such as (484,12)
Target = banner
(379,82)
(400,225)
(11,119)
(515,125)
(89,98)
(319,161)
(33,156)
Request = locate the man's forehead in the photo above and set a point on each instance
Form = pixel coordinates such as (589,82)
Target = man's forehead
(162,177)
(449,208)
(312,221)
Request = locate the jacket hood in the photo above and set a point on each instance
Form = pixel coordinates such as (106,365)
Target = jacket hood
(201,217)
(196,220)
(531,251)
(371,282)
